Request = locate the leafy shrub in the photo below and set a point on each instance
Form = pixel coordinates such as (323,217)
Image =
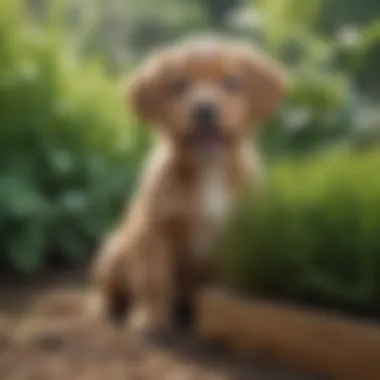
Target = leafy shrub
(325,103)
(316,237)
(67,158)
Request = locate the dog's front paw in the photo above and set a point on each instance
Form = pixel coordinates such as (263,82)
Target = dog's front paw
(104,309)
(148,322)
(95,306)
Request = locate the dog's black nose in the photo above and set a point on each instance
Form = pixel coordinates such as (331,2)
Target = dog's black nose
(205,114)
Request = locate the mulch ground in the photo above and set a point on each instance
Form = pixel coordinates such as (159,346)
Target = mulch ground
(44,335)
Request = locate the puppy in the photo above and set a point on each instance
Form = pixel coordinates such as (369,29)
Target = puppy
(203,98)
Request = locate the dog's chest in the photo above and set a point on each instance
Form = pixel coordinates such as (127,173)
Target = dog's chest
(213,194)
(214,199)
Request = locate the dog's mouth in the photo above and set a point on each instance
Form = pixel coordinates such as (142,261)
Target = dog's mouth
(206,138)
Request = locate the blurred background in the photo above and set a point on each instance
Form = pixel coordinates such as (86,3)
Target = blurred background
(70,151)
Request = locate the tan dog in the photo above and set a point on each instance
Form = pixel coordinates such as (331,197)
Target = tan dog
(202,98)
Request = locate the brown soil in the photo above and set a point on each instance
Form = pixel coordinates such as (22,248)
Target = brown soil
(44,335)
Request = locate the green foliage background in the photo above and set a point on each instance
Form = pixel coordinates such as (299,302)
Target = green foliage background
(70,150)
(67,160)
(315,237)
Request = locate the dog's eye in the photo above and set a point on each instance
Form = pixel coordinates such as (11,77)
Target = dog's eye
(232,83)
(177,87)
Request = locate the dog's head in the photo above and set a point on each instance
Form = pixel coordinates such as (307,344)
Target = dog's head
(206,91)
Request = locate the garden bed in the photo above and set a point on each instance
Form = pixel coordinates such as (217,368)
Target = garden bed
(45,335)
(332,345)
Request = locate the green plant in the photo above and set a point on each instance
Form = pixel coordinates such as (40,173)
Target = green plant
(316,237)
(324,103)
(68,149)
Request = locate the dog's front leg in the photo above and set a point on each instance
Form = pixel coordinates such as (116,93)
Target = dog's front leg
(151,284)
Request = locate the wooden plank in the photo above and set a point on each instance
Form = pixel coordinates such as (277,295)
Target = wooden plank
(303,339)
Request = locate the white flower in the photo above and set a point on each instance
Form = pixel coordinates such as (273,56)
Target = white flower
(297,118)
(368,119)
(349,36)
(244,18)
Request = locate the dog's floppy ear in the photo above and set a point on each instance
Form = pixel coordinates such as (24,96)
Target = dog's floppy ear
(266,85)
(142,91)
